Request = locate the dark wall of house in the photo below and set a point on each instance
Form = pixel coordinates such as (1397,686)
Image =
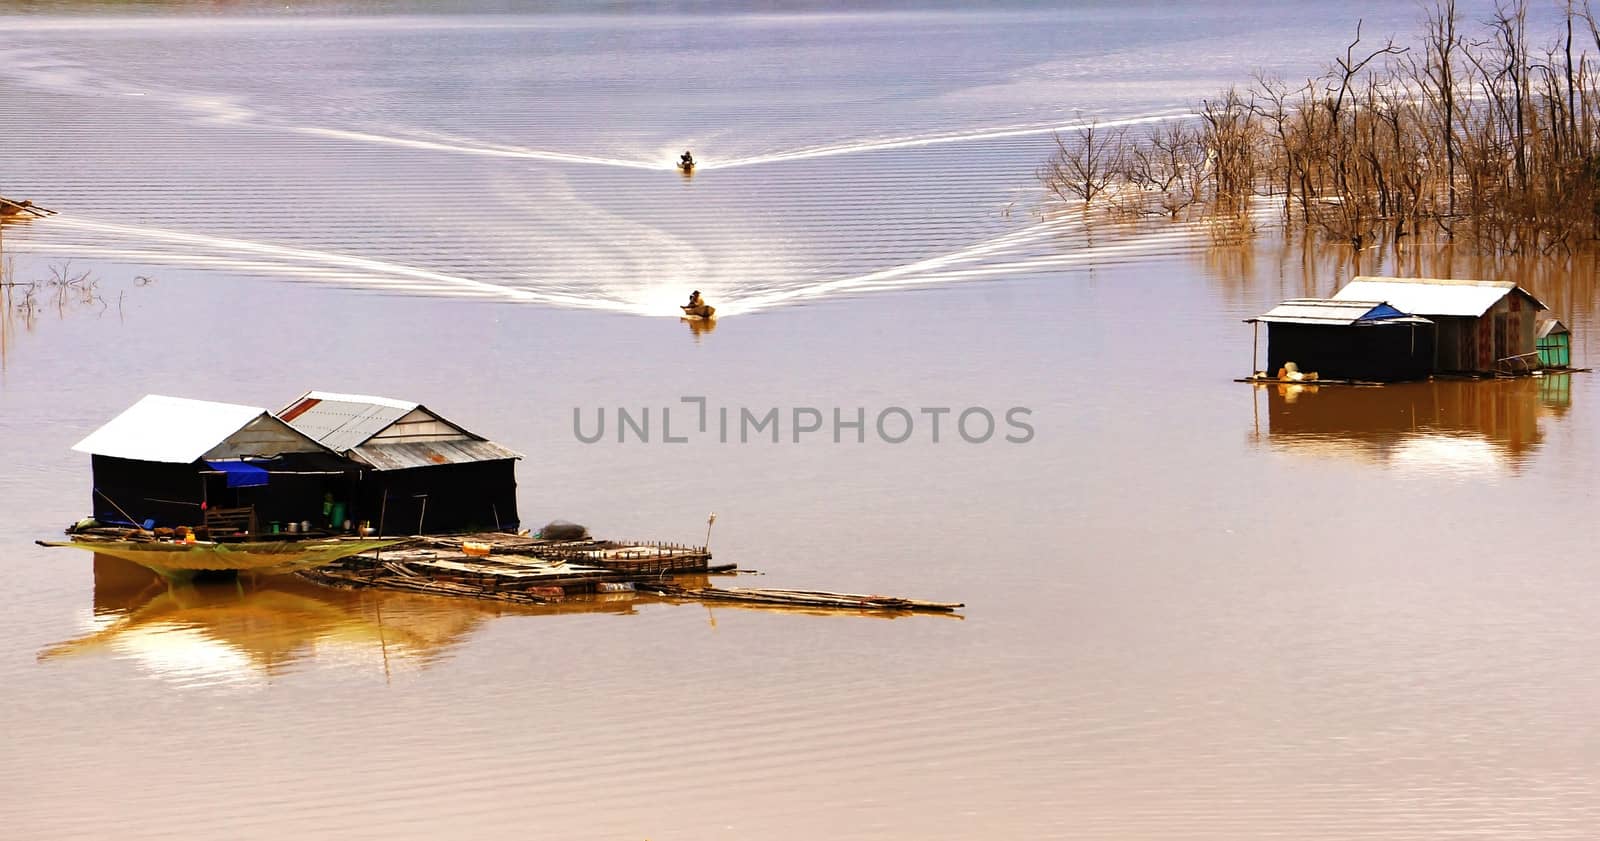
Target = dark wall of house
(1457,342)
(170,494)
(477,496)
(286,498)
(1384,353)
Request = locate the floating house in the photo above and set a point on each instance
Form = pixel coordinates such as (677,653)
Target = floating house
(1481,326)
(168,461)
(1554,342)
(1348,340)
(419,473)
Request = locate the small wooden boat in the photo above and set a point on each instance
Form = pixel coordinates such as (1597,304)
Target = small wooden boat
(177,558)
(704,312)
(686,166)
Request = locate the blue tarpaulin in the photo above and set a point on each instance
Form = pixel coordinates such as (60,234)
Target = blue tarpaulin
(241,474)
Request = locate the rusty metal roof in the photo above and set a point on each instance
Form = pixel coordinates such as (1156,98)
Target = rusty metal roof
(342,421)
(430,453)
(365,428)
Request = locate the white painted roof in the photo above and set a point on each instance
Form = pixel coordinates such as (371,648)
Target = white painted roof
(1432,296)
(168,429)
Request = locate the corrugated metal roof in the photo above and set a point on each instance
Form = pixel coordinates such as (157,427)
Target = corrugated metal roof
(1335,313)
(168,429)
(428,454)
(1432,296)
(343,421)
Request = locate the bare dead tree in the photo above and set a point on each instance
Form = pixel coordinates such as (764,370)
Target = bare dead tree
(1482,136)
(1083,170)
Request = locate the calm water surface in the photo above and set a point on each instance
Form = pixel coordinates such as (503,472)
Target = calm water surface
(1197,609)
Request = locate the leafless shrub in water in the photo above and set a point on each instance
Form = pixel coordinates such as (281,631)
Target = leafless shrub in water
(64,288)
(69,287)
(1082,170)
(1488,138)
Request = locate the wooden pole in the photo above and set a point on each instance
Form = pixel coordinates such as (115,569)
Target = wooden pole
(119,509)
(709,521)
(1255,343)
(383,508)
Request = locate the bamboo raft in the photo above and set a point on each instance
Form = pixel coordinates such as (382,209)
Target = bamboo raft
(536,571)
(799,598)
(517,569)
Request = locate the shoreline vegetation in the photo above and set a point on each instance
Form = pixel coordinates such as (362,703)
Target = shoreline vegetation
(1489,136)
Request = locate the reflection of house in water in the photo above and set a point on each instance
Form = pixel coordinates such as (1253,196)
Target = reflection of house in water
(244,632)
(1462,426)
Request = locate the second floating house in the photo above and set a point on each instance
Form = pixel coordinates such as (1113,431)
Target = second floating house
(1387,329)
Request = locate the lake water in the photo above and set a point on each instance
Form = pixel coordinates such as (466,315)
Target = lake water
(1196,609)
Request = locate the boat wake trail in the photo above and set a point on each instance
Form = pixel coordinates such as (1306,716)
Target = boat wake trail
(936,139)
(313,185)
(44,70)
(1051,245)
(204,251)
(467,147)
(1036,248)
(661,161)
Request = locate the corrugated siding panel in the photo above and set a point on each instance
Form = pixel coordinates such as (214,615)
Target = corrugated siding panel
(427,454)
(264,436)
(340,424)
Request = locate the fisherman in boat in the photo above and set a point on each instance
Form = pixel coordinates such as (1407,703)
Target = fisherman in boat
(686,160)
(698,308)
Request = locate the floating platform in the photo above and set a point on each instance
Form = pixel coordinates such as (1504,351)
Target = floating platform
(1443,375)
(514,568)
(536,571)
(799,598)
(1276,381)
